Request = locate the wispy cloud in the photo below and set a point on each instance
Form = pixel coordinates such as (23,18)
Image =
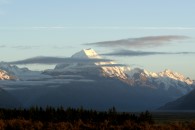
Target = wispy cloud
(24,47)
(19,47)
(95,28)
(112,28)
(2,46)
(149,41)
(142,53)
(113,65)
(62,47)
(56,60)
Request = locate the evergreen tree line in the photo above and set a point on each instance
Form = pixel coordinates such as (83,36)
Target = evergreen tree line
(51,114)
(49,118)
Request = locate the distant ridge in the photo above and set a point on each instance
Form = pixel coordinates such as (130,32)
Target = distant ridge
(186,102)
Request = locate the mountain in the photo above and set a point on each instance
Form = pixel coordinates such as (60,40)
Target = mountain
(12,69)
(88,62)
(5,76)
(132,88)
(185,102)
(86,54)
(86,79)
(18,73)
(95,65)
(167,80)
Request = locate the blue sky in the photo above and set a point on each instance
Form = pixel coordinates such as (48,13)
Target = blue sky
(62,27)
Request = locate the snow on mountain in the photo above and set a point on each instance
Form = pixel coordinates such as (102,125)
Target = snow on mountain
(108,68)
(175,76)
(5,76)
(166,79)
(21,73)
(86,54)
(97,65)
(142,72)
(13,69)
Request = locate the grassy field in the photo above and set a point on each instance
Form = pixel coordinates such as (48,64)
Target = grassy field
(169,117)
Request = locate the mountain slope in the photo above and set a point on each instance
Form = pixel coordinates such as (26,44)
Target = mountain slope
(7,100)
(184,103)
(100,95)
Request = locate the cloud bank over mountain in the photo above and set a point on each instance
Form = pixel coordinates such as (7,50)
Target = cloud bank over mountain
(55,60)
(141,42)
(142,53)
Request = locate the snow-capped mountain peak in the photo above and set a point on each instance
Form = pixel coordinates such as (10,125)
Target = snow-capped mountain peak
(5,76)
(18,73)
(12,69)
(176,76)
(86,54)
(103,67)
(166,79)
(143,72)
(170,74)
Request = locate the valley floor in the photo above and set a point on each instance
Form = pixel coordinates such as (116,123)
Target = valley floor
(173,116)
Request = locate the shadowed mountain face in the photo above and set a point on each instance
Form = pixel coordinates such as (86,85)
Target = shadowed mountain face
(100,94)
(184,103)
(88,80)
(7,100)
